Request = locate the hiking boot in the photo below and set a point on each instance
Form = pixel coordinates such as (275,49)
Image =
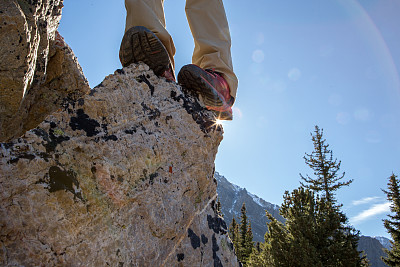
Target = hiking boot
(212,87)
(141,44)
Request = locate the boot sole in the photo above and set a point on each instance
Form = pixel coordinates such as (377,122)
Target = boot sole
(192,77)
(141,44)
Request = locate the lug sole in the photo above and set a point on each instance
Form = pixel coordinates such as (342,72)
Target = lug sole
(140,44)
(192,77)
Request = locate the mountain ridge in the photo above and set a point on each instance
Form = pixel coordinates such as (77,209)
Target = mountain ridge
(232,197)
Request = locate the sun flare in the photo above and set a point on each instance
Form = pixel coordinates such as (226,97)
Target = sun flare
(218,122)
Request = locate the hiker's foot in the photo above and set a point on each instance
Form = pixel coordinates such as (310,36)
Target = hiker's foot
(141,44)
(211,86)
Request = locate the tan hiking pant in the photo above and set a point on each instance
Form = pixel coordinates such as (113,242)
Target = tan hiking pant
(209,26)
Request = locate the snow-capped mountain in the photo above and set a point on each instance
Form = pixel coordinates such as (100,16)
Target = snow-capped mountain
(232,198)
(384,241)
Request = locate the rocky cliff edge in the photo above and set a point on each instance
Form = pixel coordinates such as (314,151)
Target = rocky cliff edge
(122,176)
(38,70)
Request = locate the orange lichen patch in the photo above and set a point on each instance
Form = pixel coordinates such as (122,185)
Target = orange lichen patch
(110,186)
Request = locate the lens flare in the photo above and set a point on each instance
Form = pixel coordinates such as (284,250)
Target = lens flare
(218,122)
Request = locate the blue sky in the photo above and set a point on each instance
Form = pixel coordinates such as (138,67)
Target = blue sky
(335,64)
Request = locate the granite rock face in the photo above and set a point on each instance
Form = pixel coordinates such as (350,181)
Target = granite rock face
(121,177)
(37,69)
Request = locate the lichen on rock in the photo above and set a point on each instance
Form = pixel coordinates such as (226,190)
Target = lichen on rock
(122,176)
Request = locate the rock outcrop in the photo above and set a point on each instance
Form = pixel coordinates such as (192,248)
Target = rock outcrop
(121,177)
(37,69)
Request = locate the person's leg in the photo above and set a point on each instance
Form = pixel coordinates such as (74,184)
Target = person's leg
(150,14)
(209,26)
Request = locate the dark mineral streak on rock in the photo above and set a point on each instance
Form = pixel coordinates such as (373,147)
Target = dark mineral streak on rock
(93,91)
(196,110)
(58,179)
(169,117)
(22,156)
(180,257)
(204,239)
(107,137)
(131,131)
(217,224)
(194,239)
(143,78)
(215,181)
(110,137)
(215,248)
(151,113)
(7,145)
(83,122)
(50,139)
(152,176)
(213,206)
(120,71)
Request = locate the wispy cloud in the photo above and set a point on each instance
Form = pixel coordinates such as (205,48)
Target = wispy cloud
(374,210)
(365,200)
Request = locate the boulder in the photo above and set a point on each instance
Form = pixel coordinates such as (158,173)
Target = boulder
(120,177)
(37,69)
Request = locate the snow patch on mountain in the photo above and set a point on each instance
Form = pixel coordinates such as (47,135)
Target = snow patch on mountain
(233,196)
(263,203)
(386,242)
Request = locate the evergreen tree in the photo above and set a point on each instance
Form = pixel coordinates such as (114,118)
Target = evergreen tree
(245,237)
(296,243)
(315,234)
(234,234)
(325,168)
(243,228)
(249,241)
(258,257)
(275,251)
(242,236)
(393,224)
